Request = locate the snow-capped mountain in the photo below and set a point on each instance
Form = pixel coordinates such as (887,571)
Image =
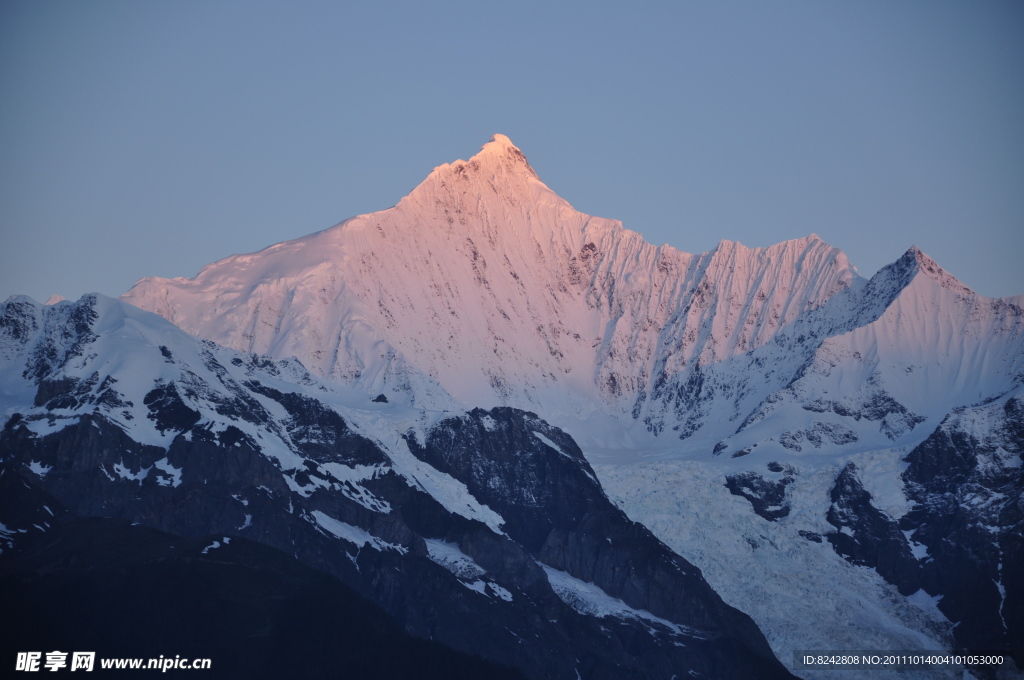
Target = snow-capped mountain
(840,457)
(859,448)
(487,531)
(484,285)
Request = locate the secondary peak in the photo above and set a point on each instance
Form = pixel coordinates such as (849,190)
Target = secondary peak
(916,260)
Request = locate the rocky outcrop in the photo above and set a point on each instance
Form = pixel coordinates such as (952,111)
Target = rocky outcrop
(866,535)
(967,485)
(538,480)
(766,496)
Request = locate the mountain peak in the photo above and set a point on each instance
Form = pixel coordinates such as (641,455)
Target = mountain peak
(498,168)
(501,141)
(501,149)
(916,261)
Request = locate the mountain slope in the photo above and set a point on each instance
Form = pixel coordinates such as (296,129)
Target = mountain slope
(485,283)
(126,591)
(893,448)
(936,346)
(115,413)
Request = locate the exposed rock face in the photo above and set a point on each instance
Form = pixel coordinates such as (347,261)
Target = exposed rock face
(767,496)
(962,536)
(555,508)
(967,484)
(129,591)
(487,532)
(868,536)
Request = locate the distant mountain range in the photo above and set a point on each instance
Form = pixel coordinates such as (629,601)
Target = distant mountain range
(430,403)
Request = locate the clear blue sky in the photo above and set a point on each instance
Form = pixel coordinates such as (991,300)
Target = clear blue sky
(150,138)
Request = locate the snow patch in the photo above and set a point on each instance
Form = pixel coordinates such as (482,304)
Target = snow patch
(488,588)
(39,468)
(463,567)
(449,556)
(175,473)
(919,550)
(355,535)
(349,478)
(42,427)
(589,600)
(477,586)
(501,592)
(550,444)
(445,489)
(125,473)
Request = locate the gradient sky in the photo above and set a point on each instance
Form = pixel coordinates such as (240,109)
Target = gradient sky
(146,138)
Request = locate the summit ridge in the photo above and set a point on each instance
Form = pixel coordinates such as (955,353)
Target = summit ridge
(536,304)
(483,287)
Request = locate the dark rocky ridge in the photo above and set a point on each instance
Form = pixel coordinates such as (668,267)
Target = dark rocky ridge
(868,536)
(556,510)
(968,492)
(966,488)
(124,590)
